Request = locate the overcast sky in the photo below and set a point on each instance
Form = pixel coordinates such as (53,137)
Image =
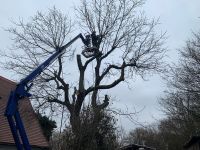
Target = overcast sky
(178,17)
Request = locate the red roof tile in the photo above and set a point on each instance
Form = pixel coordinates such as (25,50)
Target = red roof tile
(32,127)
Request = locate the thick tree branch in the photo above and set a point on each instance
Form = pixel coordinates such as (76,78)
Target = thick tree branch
(60,66)
(104,104)
(88,61)
(124,65)
(114,83)
(79,62)
(65,89)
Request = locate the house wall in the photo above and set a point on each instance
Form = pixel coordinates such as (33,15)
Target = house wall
(10,147)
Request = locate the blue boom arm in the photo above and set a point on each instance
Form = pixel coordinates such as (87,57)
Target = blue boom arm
(21,91)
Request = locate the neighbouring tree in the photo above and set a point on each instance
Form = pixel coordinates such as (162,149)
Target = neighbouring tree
(127,46)
(172,133)
(181,102)
(149,136)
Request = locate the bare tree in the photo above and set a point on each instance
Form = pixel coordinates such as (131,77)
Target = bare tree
(124,45)
(182,97)
(149,136)
(181,101)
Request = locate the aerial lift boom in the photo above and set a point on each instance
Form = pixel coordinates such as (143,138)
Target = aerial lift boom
(22,90)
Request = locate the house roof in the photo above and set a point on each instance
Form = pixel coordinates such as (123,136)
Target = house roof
(29,118)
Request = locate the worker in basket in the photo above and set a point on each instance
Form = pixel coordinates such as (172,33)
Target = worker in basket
(91,48)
